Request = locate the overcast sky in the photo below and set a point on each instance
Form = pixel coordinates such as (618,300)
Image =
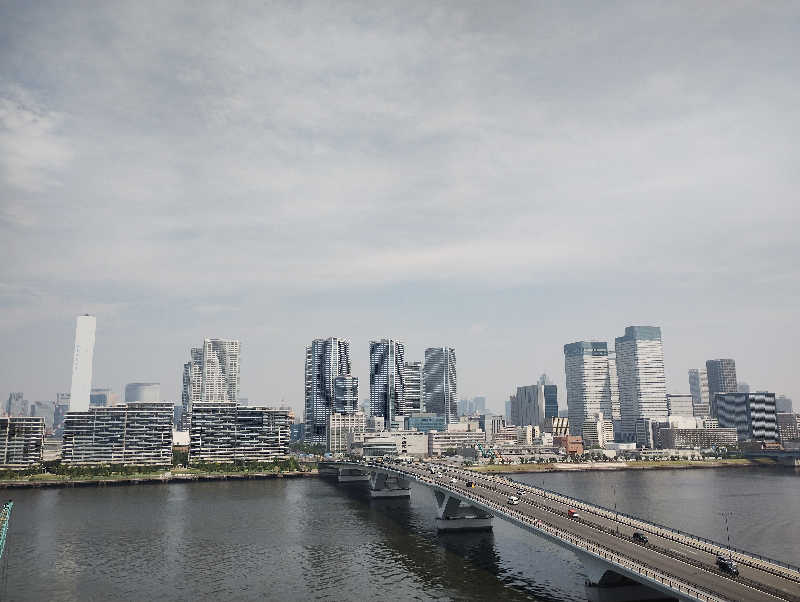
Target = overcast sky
(503,178)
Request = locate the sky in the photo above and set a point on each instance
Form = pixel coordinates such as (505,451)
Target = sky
(503,178)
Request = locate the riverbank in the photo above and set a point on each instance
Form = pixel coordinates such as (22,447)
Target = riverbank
(50,480)
(611,466)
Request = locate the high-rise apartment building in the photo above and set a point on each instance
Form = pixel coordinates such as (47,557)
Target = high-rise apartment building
(326,359)
(588,392)
(192,391)
(220,370)
(345,394)
(698,387)
(721,379)
(642,383)
(413,397)
(82,363)
(386,384)
(439,378)
(613,387)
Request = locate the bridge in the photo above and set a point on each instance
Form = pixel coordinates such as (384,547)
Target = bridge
(672,565)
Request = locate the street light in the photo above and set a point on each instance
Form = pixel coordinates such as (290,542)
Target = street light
(728,533)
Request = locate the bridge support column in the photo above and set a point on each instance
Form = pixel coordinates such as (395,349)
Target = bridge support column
(385,485)
(604,585)
(455,515)
(352,475)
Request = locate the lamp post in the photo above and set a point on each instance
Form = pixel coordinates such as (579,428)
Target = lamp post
(728,533)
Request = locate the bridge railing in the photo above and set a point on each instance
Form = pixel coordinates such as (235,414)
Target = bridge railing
(711,547)
(681,586)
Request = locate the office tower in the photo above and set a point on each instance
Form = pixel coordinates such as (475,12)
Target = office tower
(613,386)
(680,405)
(742,387)
(82,363)
(479,404)
(751,414)
(550,401)
(642,384)
(507,414)
(698,387)
(134,434)
(345,394)
(144,392)
(528,406)
(413,397)
(439,377)
(225,432)
(59,413)
(325,360)
(21,441)
(220,370)
(586,366)
(721,379)
(783,404)
(102,398)
(386,386)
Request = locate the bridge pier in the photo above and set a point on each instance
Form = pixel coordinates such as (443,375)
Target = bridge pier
(605,585)
(352,475)
(455,515)
(385,485)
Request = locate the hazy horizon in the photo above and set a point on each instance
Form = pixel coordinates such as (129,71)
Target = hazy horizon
(501,179)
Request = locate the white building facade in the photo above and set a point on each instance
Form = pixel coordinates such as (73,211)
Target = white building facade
(588,383)
(83,355)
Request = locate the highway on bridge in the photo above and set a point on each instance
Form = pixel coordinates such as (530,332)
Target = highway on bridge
(683,557)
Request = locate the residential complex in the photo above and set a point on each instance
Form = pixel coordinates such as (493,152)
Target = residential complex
(134,433)
(751,414)
(386,387)
(642,383)
(226,432)
(21,441)
(439,378)
(345,394)
(413,393)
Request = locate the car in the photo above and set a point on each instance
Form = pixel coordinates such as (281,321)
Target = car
(639,537)
(727,565)
(513,501)
(454,480)
(573,513)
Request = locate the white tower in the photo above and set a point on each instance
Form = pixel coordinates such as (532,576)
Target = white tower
(82,363)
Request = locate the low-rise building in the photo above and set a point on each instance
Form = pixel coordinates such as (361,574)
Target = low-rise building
(697,438)
(788,426)
(21,441)
(344,430)
(572,444)
(558,426)
(449,441)
(395,443)
(138,434)
(425,421)
(597,431)
(226,432)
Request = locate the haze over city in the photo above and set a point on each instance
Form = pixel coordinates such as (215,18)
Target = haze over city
(501,181)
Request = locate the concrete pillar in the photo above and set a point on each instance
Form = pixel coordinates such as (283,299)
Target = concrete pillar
(455,515)
(386,485)
(605,585)
(352,475)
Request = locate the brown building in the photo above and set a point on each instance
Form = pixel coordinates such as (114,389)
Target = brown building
(572,444)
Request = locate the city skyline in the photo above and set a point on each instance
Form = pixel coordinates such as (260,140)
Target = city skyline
(450,173)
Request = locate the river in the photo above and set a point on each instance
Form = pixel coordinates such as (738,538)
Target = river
(300,539)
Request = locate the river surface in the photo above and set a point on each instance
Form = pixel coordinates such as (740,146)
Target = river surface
(301,539)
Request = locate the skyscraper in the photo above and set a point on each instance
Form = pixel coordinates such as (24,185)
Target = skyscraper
(613,385)
(439,377)
(82,363)
(698,387)
(528,406)
(586,366)
(550,401)
(325,360)
(721,379)
(345,394)
(220,370)
(413,397)
(192,392)
(642,383)
(386,385)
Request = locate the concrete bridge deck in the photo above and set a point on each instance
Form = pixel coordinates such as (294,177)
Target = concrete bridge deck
(671,564)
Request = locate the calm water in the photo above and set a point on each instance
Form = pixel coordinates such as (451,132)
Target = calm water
(313,539)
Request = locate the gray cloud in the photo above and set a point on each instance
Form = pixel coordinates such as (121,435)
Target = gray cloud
(503,179)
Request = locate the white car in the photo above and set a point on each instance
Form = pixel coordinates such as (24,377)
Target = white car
(453,480)
(513,501)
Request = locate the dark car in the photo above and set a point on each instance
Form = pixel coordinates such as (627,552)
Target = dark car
(727,565)
(640,537)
